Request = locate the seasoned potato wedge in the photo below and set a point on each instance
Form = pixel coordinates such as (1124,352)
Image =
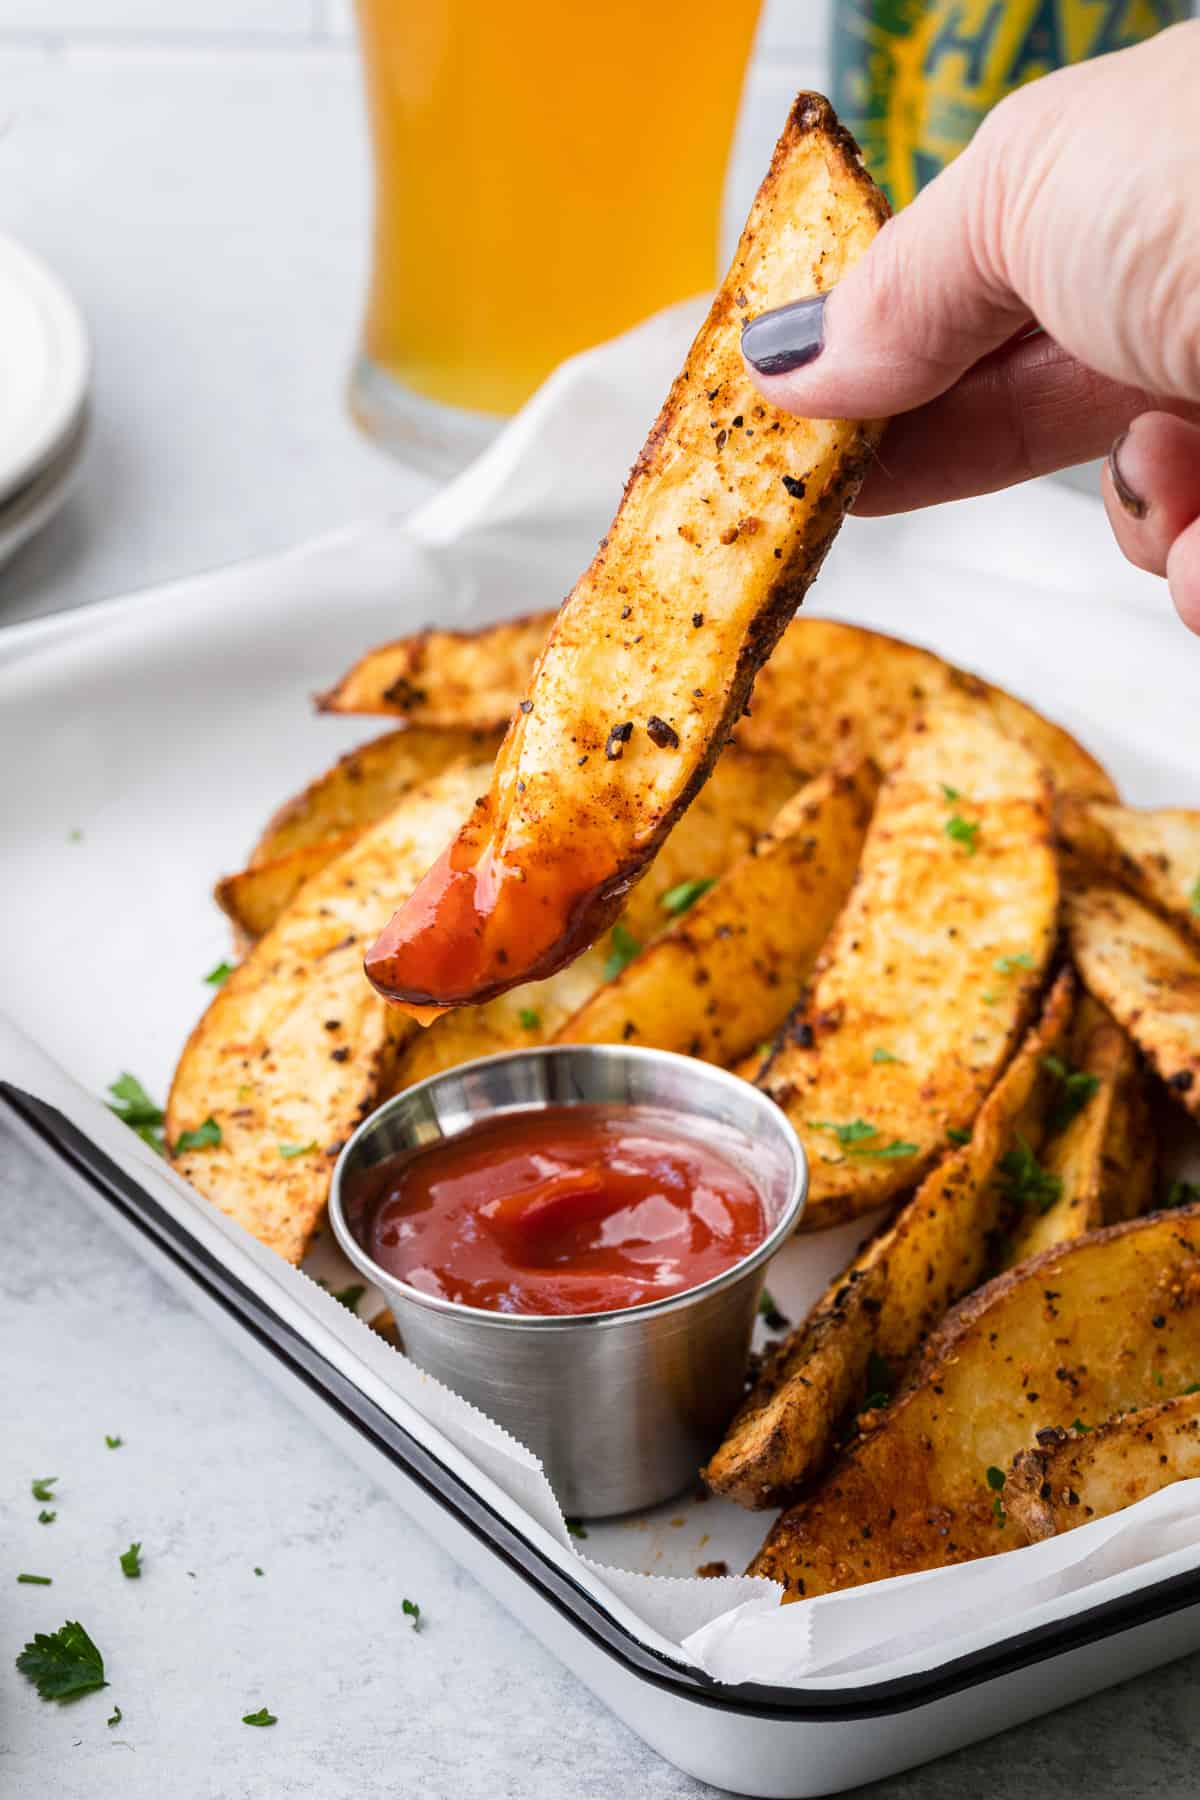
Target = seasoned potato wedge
(1129,1160)
(831,690)
(1147,975)
(1085,1331)
(1077,1475)
(724,523)
(930,972)
(747,790)
(729,970)
(1154,854)
(1079,1122)
(323,820)
(295,1048)
(892,1293)
(445,678)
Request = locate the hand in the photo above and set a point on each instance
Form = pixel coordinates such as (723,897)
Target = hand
(1039,300)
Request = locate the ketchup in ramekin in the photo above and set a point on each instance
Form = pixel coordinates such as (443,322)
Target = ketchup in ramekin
(558,1210)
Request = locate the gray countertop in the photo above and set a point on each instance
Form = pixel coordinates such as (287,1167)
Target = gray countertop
(206,202)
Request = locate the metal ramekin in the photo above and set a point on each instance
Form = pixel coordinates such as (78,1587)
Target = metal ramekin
(621,1407)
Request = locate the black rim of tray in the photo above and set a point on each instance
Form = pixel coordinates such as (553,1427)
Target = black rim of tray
(50,1131)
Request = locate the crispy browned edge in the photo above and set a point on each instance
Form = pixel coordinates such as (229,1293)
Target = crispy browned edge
(407,703)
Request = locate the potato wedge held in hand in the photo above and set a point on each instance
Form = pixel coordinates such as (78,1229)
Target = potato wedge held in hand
(1148,976)
(745,793)
(1100,1326)
(930,973)
(296,1048)
(724,523)
(445,678)
(729,970)
(892,1293)
(1154,854)
(1081,1474)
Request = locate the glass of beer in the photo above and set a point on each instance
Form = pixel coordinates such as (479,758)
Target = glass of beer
(545,176)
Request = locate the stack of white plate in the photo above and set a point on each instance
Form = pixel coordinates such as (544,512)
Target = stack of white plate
(44,376)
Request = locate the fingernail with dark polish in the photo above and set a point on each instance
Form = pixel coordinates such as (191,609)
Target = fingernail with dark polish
(1133,503)
(777,342)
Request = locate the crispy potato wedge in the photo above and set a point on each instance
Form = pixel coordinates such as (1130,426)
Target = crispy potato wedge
(892,1293)
(728,972)
(323,820)
(1148,976)
(1156,855)
(831,690)
(296,1047)
(747,790)
(1129,1161)
(724,523)
(1074,1475)
(1100,1057)
(1085,1331)
(445,678)
(935,962)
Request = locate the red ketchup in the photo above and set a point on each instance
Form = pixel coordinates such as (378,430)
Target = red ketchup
(567,1209)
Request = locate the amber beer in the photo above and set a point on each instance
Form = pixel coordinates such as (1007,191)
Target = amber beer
(545,175)
(914,78)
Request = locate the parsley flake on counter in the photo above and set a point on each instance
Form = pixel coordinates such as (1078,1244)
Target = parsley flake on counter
(114,1443)
(1023,1180)
(963,832)
(205,1137)
(528,1019)
(131,1562)
(623,947)
(576,1527)
(1008,965)
(75,836)
(1076,1088)
(37,1580)
(46,1518)
(677,900)
(412,1611)
(261,1717)
(769,1313)
(257,1570)
(134,1107)
(290,1151)
(63,1664)
(40,1486)
(220,975)
(114,1718)
(957,1135)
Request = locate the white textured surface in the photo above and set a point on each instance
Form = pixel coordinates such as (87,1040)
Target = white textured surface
(195,171)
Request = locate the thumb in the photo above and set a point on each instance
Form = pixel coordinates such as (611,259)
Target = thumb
(919,309)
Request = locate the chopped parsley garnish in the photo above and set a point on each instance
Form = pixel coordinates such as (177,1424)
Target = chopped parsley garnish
(988,999)
(957,1135)
(1024,1182)
(261,1717)
(349,1296)
(1193,1387)
(46,1518)
(290,1151)
(1181,1193)
(114,1717)
(1076,1088)
(963,832)
(205,1137)
(623,947)
(75,836)
(114,1443)
(880,1382)
(529,1019)
(134,1107)
(769,1313)
(884,1056)
(1078,1425)
(995,1480)
(577,1528)
(257,1570)
(851,1136)
(131,1562)
(1008,965)
(412,1611)
(948,792)
(37,1580)
(220,975)
(1194,897)
(63,1664)
(677,900)
(40,1486)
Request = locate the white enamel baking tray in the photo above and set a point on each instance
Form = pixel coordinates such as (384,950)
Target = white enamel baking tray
(144,741)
